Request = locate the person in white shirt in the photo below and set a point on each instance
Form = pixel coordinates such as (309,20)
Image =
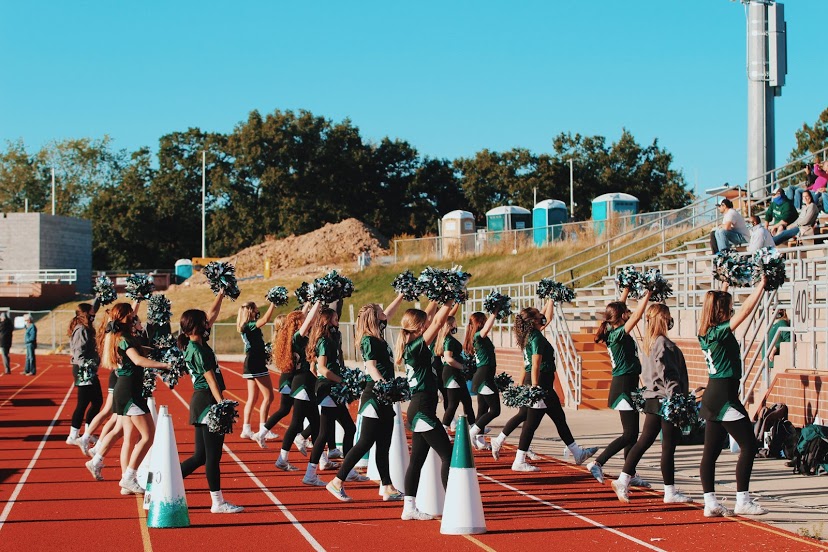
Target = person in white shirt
(732,231)
(759,236)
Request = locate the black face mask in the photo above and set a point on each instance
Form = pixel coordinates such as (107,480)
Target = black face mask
(206,334)
(670,325)
(543,321)
(453,331)
(334,330)
(382,325)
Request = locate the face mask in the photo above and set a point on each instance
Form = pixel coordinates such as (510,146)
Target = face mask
(256,316)
(670,325)
(206,335)
(543,321)
(382,325)
(334,330)
(778,200)
(453,331)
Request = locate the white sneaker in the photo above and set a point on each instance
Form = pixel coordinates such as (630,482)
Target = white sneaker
(487,431)
(621,491)
(73,441)
(261,439)
(392,496)
(717,510)
(131,485)
(524,467)
(313,481)
(356,476)
(637,481)
(270,436)
(126,492)
(246,434)
(327,465)
(596,471)
(94,470)
(338,493)
(84,446)
(93,440)
(225,508)
(284,465)
(531,455)
(480,443)
(301,445)
(677,497)
(751,508)
(415,515)
(333,454)
(583,454)
(497,444)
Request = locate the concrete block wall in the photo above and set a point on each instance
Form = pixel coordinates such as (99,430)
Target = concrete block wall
(20,241)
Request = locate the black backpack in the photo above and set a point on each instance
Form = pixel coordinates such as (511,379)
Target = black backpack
(783,437)
(811,451)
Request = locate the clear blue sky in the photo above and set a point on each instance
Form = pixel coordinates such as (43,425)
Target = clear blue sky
(451,78)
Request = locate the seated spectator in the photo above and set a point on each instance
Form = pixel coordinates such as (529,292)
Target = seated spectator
(817,182)
(759,236)
(780,212)
(732,231)
(804,224)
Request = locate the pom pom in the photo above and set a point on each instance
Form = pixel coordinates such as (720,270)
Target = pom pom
(659,288)
(222,416)
(222,276)
(442,285)
(139,287)
(638,399)
(87,370)
(148,387)
(302,294)
(158,310)
(331,287)
(629,278)
(503,381)
(768,262)
(680,410)
(178,366)
(392,391)
(732,268)
(518,396)
(498,304)
(406,284)
(104,290)
(559,293)
(278,295)
(350,388)
(268,354)
(469,365)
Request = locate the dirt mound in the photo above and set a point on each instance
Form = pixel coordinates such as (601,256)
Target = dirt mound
(330,245)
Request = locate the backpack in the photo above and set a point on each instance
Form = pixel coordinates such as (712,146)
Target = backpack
(811,450)
(767,419)
(782,437)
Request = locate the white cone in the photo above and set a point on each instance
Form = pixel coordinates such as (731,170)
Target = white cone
(464,506)
(431,495)
(168,501)
(151,466)
(144,467)
(398,458)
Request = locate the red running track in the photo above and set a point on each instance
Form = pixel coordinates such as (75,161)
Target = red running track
(49,500)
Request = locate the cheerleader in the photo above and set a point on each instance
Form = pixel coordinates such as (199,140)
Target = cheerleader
(626,367)
(324,354)
(539,365)
(450,351)
(106,413)
(290,355)
(664,373)
(377,419)
(119,350)
(249,325)
(412,350)
(90,398)
(721,407)
(208,386)
(478,345)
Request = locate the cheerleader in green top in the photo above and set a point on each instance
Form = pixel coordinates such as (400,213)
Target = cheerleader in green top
(478,344)
(249,325)
(450,351)
(626,368)
(119,350)
(412,351)
(721,407)
(377,419)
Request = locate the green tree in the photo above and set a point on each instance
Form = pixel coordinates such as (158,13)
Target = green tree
(809,140)
(21,179)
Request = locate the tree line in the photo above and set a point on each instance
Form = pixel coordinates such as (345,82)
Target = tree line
(292,172)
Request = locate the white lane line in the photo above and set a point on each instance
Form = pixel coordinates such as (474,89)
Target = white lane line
(299,527)
(574,514)
(10,504)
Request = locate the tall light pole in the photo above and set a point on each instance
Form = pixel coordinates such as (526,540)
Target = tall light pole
(53,192)
(571,189)
(203,204)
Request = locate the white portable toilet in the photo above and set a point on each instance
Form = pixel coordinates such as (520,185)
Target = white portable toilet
(457,231)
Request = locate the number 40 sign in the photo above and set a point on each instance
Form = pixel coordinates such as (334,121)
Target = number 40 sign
(801,302)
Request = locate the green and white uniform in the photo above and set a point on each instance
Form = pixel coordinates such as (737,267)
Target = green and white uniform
(254,351)
(453,377)
(303,385)
(720,402)
(422,380)
(484,357)
(626,368)
(200,360)
(127,396)
(329,349)
(537,344)
(378,351)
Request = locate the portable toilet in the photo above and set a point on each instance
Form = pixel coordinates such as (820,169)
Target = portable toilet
(505,218)
(458,233)
(183,270)
(608,206)
(546,218)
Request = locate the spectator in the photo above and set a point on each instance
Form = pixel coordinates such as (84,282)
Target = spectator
(31,345)
(782,321)
(804,224)
(817,182)
(780,213)
(6,328)
(732,231)
(759,236)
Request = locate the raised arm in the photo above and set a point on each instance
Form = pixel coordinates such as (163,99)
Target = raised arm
(547,311)
(215,308)
(392,307)
(748,306)
(437,322)
(454,309)
(309,319)
(636,315)
(487,327)
(624,294)
(266,318)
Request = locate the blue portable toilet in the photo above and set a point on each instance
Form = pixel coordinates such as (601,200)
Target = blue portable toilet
(183,270)
(547,213)
(608,206)
(505,218)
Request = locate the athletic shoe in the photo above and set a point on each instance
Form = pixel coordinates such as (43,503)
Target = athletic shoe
(596,471)
(270,436)
(621,491)
(524,467)
(84,446)
(92,451)
(356,476)
(583,454)
(636,481)
(313,481)
(392,496)
(301,445)
(338,493)
(751,508)
(225,508)
(284,465)
(261,439)
(333,454)
(415,515)
(487,431)
(677,497)
(95,470)
(73,441)
(246,434)
(480,443)
(131,485)
(93,440)
(531,455)
(497,444)
(327,465)
(717,510)
(126,492)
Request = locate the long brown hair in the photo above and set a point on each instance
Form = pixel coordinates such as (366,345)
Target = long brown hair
(192,322)
(83,317)
(321,328)
(116,324)
(613,317)
(717,308)
(412,322)
(283,349)
(368,322)
(658,321)
(442,334)
(476,321)
(524,324)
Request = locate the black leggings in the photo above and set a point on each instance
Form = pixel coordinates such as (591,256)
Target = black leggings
(455,397)
(714,435)
(488,408)
(301,411)
(670,434)
(327,427)
(515,420)
(285,405)
(208,454)
(87,395)
(534,416)
(373,430)
(629,425)
(437,439)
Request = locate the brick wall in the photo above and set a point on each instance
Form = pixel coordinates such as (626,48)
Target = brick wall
(805,395)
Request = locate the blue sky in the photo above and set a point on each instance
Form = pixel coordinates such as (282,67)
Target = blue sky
(451,78)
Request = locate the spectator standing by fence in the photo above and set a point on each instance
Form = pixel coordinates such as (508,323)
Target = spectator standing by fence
(31,345)
(6,329)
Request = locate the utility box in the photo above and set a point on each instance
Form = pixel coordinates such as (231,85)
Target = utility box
(457,232)
(547,216)
(609,206)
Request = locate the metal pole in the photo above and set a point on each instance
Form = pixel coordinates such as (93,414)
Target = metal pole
(26,205)
(571,190)
(203,203)
(757,69)
(53,192)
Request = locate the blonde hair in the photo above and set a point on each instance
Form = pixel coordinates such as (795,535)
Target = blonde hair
(440,344)
(247,313)
(658,319)
(716,309)
(524,324)
(278,324)
(413,321)
(368,322)
(121,316)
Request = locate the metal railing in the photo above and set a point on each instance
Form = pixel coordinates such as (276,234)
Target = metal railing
(60,276)
(569,361)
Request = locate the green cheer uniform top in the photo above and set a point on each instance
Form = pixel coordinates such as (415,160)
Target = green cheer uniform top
(254,351)
(422,380)
(303,385)
(453,377)
(127,394)
(626,368)
(723,357)
(484,356)
(377,350)
(200,360)
(537,344)
(329,348)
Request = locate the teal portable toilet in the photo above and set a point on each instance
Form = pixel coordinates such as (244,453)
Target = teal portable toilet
(505,218)
(183,270)
(608,206)
(547,213)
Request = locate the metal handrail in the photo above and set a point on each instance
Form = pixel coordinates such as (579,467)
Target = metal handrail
(777,169)
(571,361)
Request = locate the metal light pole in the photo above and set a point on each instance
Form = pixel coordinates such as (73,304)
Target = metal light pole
(571,189)
(53,192)
(203,204)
